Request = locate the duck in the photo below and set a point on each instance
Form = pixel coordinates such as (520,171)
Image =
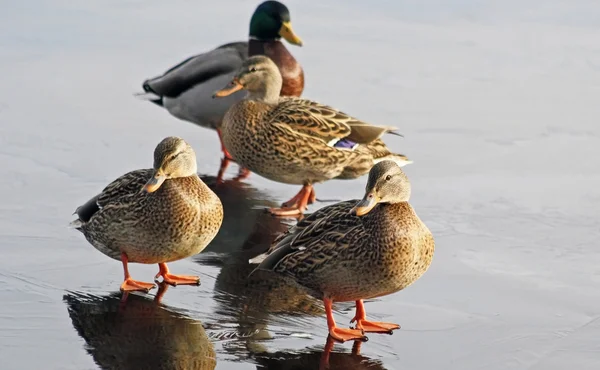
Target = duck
(185,90)
(294,140)
(156,215)
(356,250)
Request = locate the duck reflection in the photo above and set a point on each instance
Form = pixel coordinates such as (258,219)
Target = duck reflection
(255,296)
(135,332)
(316,358)
(246,232)
(242,204)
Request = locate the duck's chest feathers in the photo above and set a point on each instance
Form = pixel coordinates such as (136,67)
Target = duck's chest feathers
(403,244)
(243,125)
(291,71)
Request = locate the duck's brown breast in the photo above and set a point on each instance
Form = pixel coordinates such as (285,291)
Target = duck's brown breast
(291,70)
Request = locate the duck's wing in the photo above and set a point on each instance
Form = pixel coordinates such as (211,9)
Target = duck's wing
(200,68)
(125,186)
(325,122)
(314,240)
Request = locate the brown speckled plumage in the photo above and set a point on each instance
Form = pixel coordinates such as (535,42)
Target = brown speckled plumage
(289,139)
(341,256)
(175,221)
(293,140)
(347,257)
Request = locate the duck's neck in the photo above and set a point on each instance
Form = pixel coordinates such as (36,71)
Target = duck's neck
(387,219)
(269,91)
(268,96)
(269,48)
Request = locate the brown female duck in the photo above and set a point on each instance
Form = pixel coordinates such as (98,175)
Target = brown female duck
(156,215)
(293,140)
(357,250)
(186,89)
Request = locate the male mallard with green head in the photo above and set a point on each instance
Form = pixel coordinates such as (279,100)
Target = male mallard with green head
(357,249)
(155,215)
(293,140)
(186,89)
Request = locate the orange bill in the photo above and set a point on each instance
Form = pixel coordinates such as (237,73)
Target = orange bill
(232,87)
(155,182)
(365,205)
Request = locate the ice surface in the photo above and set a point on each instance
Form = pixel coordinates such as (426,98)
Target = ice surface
(499,105)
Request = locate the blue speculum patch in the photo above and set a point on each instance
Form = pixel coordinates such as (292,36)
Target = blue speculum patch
(345,143)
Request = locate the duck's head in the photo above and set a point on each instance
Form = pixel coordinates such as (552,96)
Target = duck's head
(271,21)
(260,76)
(173,158)
(387,184)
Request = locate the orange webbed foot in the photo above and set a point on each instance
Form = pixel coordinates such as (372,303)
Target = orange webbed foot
(297,205)
(130,285)
(175,279)
(287,211)
(343,335)
(375,326)
(179,279)
(371,326)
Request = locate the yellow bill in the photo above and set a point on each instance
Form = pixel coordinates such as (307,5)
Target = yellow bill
(287,33)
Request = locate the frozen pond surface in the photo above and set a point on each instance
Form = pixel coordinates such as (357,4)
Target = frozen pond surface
(498,102)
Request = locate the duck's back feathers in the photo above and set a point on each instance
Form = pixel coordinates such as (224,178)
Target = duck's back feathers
(371,154)
(225,59)
(322,121)
(125,186)
(320,229)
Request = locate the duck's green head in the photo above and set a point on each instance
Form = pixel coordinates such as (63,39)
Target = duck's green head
(271,21)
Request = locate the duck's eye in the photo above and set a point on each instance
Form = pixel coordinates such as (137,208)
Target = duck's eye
(388,177)
(252,69)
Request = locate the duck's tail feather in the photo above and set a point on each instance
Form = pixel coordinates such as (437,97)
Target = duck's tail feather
(76,224)
(150,96)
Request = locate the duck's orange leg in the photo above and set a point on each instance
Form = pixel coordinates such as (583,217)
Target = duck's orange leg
(130,285)
(175,279)
(313,196)
(225,161)
(371,326)
(243,174)
(227,158)
(298,198)
(339,334)
(297,205)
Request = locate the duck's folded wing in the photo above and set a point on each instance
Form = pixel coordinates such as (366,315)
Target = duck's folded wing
(311,238)
(327,123)
(225,59)
(129,184)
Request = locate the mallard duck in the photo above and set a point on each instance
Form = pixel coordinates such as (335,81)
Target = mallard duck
(186,89)
(357,249)
(156,215)
(293,140)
